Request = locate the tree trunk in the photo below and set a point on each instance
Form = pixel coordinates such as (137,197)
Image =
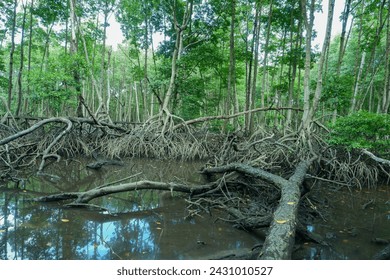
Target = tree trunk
(357,84)
(20,90)
(306,82)
(324,51)
(280,240)
(29,55)
(11,56)
(294,47)
(73,52)
(386,88)
(265,61)
(231,86)
(81,198)
(255,70)
(343,41)
(179,28)
(145,81)
(137,110)
(108,71)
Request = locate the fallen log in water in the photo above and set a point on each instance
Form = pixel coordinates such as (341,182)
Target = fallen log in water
(85,197)
(281,237)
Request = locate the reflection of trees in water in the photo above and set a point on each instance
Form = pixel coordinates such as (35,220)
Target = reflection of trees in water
(48,231)
(134,239)
(54,233)
(72,175)
(36,231)
(25,230)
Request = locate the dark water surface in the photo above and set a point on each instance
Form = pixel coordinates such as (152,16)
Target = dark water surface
(154,225)
(355,220)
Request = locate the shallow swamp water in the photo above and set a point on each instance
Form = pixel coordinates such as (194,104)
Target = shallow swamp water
(155,225)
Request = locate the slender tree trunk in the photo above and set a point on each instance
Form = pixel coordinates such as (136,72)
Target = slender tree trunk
(386,88)
(255,66)
(381,21)
(137,110)
(104,65)
(248,64)
(145,81)
(342,47)
(108,71)
(76,26)
(343,42)
(265,59)
(141,89)
(306,82)
(130,104)
(73,52)
(231,86)
(20,75)
(324,51)
(172,80)
(94,88)
(278,94)
(357,84)
(179,28)
(294,47)
(11,56)
(30,36)
(359,63)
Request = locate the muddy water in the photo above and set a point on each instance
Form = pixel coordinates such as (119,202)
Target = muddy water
(152,225)
(352,221)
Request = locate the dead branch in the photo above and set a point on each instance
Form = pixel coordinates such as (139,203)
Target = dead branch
(85,197)
(225,117)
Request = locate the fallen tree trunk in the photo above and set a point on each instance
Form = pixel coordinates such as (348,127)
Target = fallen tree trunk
(281,237)
(82,198)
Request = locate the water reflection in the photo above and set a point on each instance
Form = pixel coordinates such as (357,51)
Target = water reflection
(157,230)
(350,228)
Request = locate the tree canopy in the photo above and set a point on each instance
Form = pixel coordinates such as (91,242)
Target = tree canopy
(214,58)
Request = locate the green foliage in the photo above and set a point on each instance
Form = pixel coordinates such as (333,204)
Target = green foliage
(192,95)
(338,90)
(362,130)
(51,11)
(55,84)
